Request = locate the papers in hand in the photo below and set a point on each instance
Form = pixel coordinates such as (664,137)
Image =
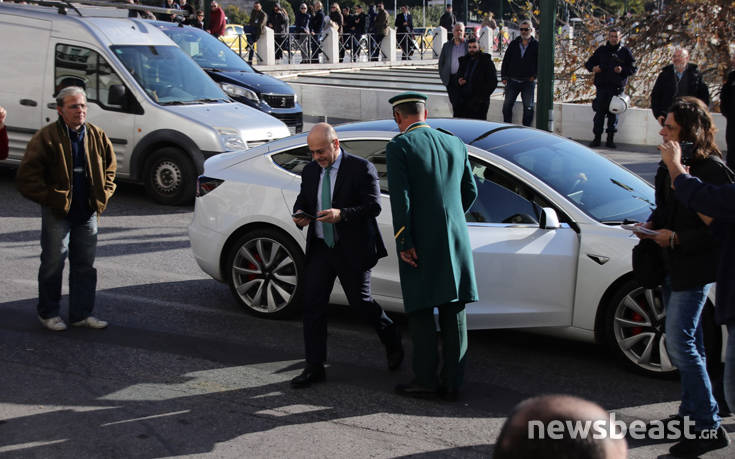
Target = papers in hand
(639,229)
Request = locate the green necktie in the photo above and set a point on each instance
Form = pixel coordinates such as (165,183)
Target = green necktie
(328,228)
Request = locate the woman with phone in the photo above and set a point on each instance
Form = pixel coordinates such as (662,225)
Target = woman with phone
(690,260)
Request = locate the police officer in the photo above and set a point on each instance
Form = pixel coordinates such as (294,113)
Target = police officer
(431,188)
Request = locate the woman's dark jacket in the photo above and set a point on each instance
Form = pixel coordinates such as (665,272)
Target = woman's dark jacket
(693,261)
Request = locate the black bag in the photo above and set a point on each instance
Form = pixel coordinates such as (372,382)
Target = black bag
(648,264)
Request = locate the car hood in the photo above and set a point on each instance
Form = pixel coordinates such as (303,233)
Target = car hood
(251,123)
(258,82)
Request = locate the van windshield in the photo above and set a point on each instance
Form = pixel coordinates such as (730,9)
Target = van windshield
(206,50)
(169,76)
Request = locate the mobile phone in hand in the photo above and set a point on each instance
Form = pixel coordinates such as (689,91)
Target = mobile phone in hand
(302,214)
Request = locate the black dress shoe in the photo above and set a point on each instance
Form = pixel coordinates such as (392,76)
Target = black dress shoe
(395,357)
(702,443)
(448,395)
(415,391)
(311,374)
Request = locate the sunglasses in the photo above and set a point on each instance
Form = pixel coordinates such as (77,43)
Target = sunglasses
(525,29)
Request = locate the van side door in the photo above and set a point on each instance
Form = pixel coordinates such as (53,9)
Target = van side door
(78,64)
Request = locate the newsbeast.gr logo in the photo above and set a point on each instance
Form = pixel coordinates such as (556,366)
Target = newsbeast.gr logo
(600,429)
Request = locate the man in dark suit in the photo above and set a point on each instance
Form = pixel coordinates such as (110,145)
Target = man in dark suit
(343,193)
(477,79)
(404,32)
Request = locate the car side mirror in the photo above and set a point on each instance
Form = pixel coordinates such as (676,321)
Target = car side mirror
(117,95)
(548,219)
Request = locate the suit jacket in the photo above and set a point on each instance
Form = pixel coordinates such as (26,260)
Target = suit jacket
(357,194)
(445,61)
(431,188)
(404,25)
(482,82)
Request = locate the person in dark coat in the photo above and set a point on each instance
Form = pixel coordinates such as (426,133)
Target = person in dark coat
(518,72)
(344,242)
(449,66)
(357,30)
(379,26)
(258,20)
(404,32)
(316,24)
(431,189)
(678,79)
(727,107)
(477,79)
(279,23)
(197,20)
(447,21)
(302,21)
(690,255)
(612,64)
(717,203)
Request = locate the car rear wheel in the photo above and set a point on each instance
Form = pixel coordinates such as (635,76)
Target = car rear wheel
(265,272)
(170,177)
(635,330)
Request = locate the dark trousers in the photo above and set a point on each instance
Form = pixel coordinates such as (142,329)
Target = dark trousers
(475,109)
(526,90)
(453,93)
(730,142)
(322,267)
(453,332)
(600,105)
(280,44)
(376,47)
(406,43)
(252,40)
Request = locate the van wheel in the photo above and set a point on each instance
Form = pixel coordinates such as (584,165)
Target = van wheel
(169,177)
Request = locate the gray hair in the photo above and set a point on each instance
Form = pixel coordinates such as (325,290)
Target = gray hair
(526,21)
(69,91)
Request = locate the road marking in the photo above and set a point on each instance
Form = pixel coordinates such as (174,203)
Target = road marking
(155,416)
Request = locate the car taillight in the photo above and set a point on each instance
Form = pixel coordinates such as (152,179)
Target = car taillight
(207,184)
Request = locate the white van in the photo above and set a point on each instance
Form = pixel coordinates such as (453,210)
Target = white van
(163,114)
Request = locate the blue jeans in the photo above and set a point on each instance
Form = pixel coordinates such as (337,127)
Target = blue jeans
(729,376)
(60,238)
(526,89)
(685,343)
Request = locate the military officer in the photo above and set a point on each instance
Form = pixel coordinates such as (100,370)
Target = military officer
(431,188)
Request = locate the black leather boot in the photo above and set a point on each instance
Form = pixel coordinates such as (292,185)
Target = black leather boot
(596,142)
(610,143)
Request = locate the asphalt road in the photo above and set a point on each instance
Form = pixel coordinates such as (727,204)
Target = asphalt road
(182,371)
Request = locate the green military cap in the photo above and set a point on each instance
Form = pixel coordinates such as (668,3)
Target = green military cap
(406,97)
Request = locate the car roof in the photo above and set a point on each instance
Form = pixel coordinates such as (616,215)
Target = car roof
(465,129)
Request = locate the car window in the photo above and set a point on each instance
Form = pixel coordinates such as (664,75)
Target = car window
(596,185)
(207,51)
(295,159)
(373,151)
(501,198)
(79,66)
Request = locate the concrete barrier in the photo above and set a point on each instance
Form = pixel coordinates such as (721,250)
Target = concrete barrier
(636,126)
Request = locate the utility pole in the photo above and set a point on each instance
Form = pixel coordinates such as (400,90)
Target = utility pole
(545,93)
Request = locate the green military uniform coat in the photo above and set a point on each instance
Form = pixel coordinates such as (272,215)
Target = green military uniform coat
(431,188)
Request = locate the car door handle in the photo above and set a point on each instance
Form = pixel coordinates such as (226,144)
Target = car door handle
(51,105)
(28,102)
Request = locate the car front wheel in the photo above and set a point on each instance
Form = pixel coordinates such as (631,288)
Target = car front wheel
(265,271)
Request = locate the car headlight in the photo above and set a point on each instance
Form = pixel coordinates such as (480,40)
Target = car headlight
(231,139)
(238,91)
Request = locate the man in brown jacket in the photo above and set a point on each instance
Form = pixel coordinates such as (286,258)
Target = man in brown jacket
(68,168)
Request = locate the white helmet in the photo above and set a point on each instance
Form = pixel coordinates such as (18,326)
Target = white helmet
(619,103)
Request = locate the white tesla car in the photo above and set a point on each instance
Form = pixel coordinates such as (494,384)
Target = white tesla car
(549,251)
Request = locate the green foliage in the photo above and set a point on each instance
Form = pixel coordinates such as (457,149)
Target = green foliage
(235,15)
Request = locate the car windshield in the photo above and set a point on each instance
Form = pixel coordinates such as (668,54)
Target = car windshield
(602,189)
(207,51)
(168,76)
